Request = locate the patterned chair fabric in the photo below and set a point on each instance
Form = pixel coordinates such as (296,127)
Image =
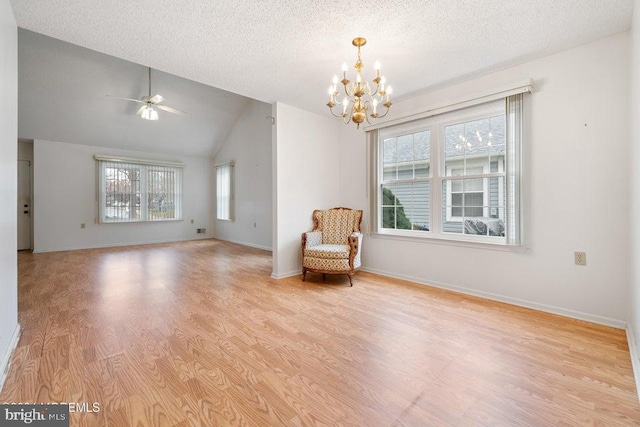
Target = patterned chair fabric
(334,245)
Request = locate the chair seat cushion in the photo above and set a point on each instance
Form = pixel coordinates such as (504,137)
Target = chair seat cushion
(327,251)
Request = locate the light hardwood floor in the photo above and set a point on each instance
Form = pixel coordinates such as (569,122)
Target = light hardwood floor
(196,333)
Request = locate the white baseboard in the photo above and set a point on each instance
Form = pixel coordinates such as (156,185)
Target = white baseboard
(117,245)
(635,360)
(285,275)
(5,362)
(239,242)
(615,323)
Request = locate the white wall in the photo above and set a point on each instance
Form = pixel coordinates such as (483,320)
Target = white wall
(65,196)
(578,192)
(8,184)
(634,165)
(249,146)
(307,158)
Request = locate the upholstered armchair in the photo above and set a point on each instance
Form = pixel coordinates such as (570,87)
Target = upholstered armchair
(335,243)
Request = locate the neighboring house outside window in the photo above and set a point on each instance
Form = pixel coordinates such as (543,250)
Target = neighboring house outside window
(224,191)
(448,176)
(138,190)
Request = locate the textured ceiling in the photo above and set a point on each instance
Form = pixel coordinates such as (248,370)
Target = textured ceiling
(284,51)
(288,50)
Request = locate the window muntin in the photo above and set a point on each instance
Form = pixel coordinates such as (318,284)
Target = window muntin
(137,192)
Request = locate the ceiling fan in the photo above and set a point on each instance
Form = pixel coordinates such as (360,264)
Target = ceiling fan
(150,104)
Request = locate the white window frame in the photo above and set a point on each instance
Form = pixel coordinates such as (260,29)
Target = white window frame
(225,196)
(436,125)
(144,167)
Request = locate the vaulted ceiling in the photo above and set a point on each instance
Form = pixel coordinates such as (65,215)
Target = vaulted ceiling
(288,50)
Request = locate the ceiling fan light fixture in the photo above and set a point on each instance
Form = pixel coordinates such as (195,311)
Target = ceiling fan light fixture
(149,113)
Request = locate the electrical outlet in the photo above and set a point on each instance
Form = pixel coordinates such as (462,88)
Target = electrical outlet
(82,225)
(203,230)
(254,225)
(580,258)
(191,221)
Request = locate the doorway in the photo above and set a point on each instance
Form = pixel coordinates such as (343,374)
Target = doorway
(24,205)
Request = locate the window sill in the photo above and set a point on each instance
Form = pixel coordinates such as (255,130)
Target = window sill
(441,240)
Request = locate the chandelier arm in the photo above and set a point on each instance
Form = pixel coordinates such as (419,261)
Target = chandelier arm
(346,91)
(376,91)
(334,114)
(385,113)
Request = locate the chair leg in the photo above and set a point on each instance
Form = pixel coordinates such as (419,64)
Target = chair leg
(304,274)
(324,277)
(350,278)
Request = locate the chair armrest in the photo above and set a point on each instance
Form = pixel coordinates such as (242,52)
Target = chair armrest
(310,239)
(355,245)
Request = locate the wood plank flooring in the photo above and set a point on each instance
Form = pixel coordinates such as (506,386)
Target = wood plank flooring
(197,334)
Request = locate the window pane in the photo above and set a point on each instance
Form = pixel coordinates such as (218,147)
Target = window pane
(389,172)
(475,143)
(160,201)
(389,217)
(473,199)
(224,190)
(389,159)
(420,209)
(388,195)
(404,149)
(405,206)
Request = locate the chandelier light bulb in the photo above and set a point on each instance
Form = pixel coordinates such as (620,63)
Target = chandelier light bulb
(344,67)
(376,66)
(335,80)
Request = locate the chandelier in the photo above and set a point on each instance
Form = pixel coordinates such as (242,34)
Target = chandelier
(360,98)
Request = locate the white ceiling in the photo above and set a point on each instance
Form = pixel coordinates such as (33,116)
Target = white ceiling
(288,50)
(62,96)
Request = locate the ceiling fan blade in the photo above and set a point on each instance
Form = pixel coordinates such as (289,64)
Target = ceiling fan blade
(127,99)
(156,99)
(141,110)
(171,110)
